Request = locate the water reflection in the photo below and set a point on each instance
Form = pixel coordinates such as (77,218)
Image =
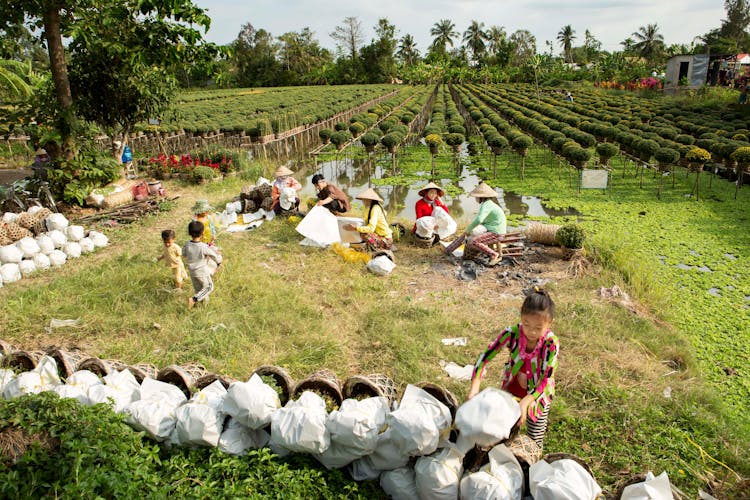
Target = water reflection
(355,175)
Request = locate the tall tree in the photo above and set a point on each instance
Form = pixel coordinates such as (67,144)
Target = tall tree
(16,78)
(496,39)
(523,45)
(301,55)
(444,32)
(475,38)
(649,43)
(407,50)
(592,46)
(349,36)
(378,57)
(255,58)
(566,36)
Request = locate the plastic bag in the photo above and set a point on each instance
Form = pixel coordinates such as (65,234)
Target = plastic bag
(58,238)
(5,377)
(28,247)
(200,421)
(252,403)
(653,488)
(446,225)
(233,207)
(301,425)
(75,233)
(87,245)
(363,470)
(46,245)
(563,479)
(237,439)
(56,222)
(10,254)
(83,379)
(437,476)
(42,378)
(99,239)
(350,254)
(57,258)
(500,479)
(320,226)
(381,265)
(399,484)
(27,267)
(487,418)
(10,273)
(154,412)
(426,226)
(387,455)
(419,423)
(72,250)
(119,390)
(72,392)
(10,217)
(41,261)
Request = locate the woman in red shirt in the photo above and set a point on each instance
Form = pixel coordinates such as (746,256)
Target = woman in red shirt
(430,198)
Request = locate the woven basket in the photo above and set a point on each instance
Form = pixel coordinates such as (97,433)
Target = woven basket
(26,220)
(4,240)
(3,231)
(423,242)
(266,203)
(101,367)
(375,385)
(39,227)
(639,478)
(142,371)
(264,191)
(476,457)
(324,382)
(210,378)
(441,394)
(67,361)
(16,232)
(249,206)
(542,233)
(183,377)
(282,379)
(525,449)
(42,214)
(116,199)
(553,457)
(6,348)
(23,360)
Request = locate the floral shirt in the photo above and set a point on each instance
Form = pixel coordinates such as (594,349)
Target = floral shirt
(538,365)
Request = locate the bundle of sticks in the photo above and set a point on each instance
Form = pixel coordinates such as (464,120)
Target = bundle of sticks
(124,214)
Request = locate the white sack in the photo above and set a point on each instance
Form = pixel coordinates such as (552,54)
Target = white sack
(56,222)
(58,238)
(5,377)
(83,379)
(28,247)
(197,425)
(399,484)
(363,470)
(47,370)
(87,245)
(72,250)
(562,480)
(24,383)
(287,198)
(57,258)
(381,265)
(27,267)
(9,217)
(237,439)
(233,207)
(32,210)
(72,392)
(350,235)
(10,254)
(487,418)
(120,387)
(10,273)
(154,412)
(301,425)
(446,225)
(418,423)
(438,475)
(46,245)
(41,261)
(320,226)
(387,455)
(478,229)
(500,479)
(426,226)
(75,233)
(653,488)
(99,239)
(252,403)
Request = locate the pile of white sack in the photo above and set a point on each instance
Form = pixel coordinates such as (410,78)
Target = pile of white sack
(405,445)
(53,247)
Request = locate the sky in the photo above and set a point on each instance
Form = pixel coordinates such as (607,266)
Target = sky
(610,21)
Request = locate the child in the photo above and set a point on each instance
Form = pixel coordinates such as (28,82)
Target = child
(197,253)
(529,372)
(172,255)
(201,211)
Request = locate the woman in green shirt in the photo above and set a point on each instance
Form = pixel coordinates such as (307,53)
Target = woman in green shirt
(492,217)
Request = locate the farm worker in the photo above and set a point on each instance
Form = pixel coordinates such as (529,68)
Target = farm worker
(330,196)
(41,159)
(197,254)
(743,94)
(201,211)
(172,257)
(429,200)
(376,232)
(284,180)
(529,373)
(492,217)
(568,96)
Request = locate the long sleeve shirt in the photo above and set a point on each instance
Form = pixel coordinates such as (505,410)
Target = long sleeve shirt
(539,365)
(279,185)
(490,216)
(424,209)
(172,256)
(196,253)
(377,223)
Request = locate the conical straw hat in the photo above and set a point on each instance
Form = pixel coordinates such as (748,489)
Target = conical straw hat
(483,191)
(370,194)
(429,186)
(202,207)
(282,171)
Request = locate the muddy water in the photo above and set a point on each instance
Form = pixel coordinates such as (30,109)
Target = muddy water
(354,176)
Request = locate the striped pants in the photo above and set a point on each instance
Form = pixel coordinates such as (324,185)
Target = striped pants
(203,286)
(536,430)
(481,241)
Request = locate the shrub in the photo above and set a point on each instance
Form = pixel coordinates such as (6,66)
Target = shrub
(698,155)
(369,139)
(390,141)
(456,129)
(497,142)
(571,236)
(454,140)
(685,139)
(646,148)
(340,138)
(606,150)
(433,140)
(356,128)
(522,143)
(741,155)
(340,126)
(72,180)
(666,156)
(202,173)
(325,135)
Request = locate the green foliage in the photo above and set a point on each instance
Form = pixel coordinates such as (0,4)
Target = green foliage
(606,150)
(369,139)
(666,156)
(72,180)
(522,143)
(571,236)
(454,140)
(340,126)
(698,155)
(391,140)
(356,128)
(433,140)
(742,155)
(325,134)
(202,173)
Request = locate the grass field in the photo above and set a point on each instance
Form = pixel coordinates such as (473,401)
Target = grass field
(306,309)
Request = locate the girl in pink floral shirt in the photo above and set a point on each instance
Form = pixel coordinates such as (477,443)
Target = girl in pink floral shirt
(529,371)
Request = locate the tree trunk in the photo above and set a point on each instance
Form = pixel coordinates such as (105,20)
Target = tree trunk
(59,69)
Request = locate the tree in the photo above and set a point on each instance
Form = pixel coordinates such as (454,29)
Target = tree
(649,43)
(16,78)
(523,46)
(378,57)
(732,36)
(474,37)
(407,50)
(444,33)
(592,46)
(349,36)
(254,58)
(300,56)
(566,36)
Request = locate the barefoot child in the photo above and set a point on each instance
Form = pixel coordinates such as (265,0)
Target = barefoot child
(529,372)
(197,254)
(172,256)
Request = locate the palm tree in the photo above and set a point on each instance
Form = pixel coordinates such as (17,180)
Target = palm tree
(407,50)
(495,39)
(566,37)
(444,33)
(649,42)
(16,77)
(474,36)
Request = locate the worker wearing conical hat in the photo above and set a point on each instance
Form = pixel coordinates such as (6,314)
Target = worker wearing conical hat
(492,217)
(284,180)
(376,232)
(429,201)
